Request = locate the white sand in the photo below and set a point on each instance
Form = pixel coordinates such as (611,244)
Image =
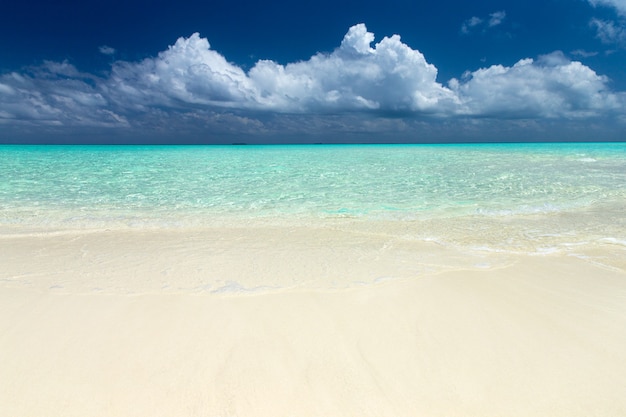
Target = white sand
(305,323)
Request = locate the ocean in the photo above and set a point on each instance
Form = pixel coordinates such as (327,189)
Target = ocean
(535,198)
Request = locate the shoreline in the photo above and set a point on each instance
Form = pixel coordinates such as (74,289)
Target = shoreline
(261,257)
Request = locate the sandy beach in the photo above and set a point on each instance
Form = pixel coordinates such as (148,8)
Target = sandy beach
(303,322)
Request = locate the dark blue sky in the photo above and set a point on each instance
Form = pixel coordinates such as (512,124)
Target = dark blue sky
(461,71)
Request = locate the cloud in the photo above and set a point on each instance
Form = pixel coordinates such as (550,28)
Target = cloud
(189,84)
(471,23)
(390,76)
(106,50)
(55,94)
(495,19)
(550,87)
(187,73)
(609,32)
(584,54)
(618,5)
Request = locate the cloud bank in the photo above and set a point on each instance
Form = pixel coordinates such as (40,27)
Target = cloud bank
(191,82)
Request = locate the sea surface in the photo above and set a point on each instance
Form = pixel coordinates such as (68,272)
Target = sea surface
(527,197)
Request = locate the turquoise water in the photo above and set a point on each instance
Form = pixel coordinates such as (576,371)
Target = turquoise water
(513,198)
(82,186)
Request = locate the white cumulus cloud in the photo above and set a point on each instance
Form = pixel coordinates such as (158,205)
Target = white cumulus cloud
(389,76)
(549,87)
(190,83)
(188,72)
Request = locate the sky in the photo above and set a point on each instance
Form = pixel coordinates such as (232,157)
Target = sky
(322,71)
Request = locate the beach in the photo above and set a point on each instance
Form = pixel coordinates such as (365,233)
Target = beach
(90,327)
(371,281)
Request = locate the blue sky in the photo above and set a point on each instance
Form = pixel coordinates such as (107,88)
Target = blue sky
(323,71)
